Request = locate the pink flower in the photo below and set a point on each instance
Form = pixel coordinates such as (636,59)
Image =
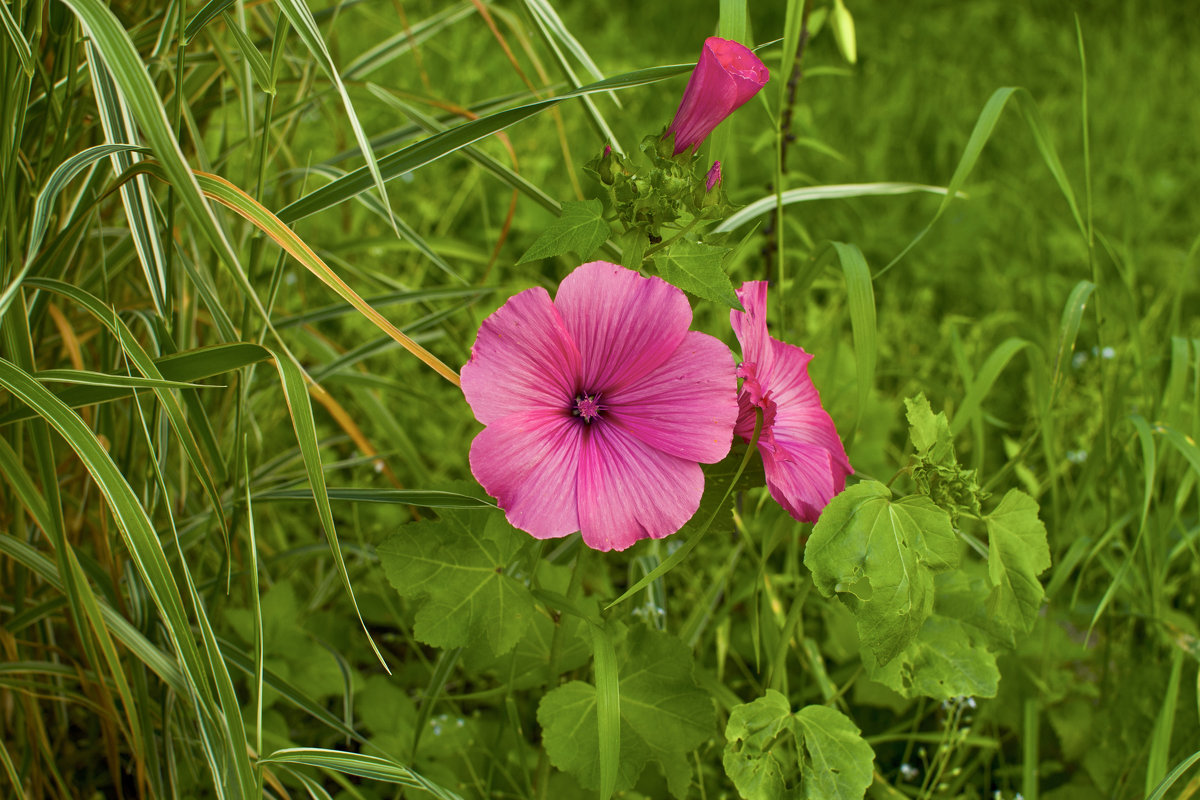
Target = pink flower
(725,77)
(803,457)
(598,407)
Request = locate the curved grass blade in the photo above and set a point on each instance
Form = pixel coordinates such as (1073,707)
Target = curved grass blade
(145,549)
(1068,331)
(984,380)
(412,36)
(861,300)
(258,64)
(302,22)
(807,194)
(1183,766)
(442,144)
(364,766)
(984,126)
(24,54)
(135,195)
(295,392)
(201,18)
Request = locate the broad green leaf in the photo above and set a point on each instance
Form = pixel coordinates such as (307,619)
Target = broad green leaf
(581,230)
(456,567)
(1017,554)
(879,556)
(949,658)
(824,758)
(930,433)
(664,715)
(696,268)
(837,764)
(758,763)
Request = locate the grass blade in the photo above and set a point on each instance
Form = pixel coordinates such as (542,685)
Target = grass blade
(807,194)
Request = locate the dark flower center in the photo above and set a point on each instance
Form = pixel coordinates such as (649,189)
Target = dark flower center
(587,406)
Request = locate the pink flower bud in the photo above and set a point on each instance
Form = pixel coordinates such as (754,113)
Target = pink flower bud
(725,77)
(714,177)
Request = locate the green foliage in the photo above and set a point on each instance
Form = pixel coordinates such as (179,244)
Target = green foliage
(1017,554)
(880,556)
(817,752)
(663,715)
(696,268)
(457,570)
(935,468)
(581,230)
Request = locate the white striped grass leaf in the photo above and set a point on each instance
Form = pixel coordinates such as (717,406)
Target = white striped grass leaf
(226,696)
(142,361)
(11,770)
(364,766)
(135,196)
(608,708)
(555,25)
(405,497)
(301,19)
(257,63)
(860,298)
(211,10)
(980,134)
(145,549)
(387,51)
(122,629)
(18,40)
(44,206)
(295,392)
(552,32)
(372,204)
(182,368)
(24,485)
(971,406)
(440,145)
(314,789)
(808,194)
(255,602)
(133,83)
(87,378)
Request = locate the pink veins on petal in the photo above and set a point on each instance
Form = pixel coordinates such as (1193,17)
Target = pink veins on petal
(599,407)
(804,460)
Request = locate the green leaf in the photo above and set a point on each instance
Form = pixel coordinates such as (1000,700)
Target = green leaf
(1017,554)
(696,268)
(935,469)
(879,556)
(663,716)
(949,658)
(825,747)
(838,763)
(581,230)
(457,567)
(930,433)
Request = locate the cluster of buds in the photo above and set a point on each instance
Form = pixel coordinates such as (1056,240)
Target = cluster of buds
(678,187)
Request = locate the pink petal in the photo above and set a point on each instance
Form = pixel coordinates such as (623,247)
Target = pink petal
(529,462)
(687,406)
(800,418)
(805,482)
(523,358)
(629,490)
(750,327)
(624,325)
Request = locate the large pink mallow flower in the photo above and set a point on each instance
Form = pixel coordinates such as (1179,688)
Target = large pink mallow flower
(599,407)
(803,457)
(726,76)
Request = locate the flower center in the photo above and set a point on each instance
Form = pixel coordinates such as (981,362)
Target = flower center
(587,406)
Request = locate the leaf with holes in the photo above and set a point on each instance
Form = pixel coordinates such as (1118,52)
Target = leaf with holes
(815,753)
(879,556)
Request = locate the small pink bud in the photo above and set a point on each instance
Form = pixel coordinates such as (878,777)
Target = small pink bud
(607,150)
(714,177)
(725,77)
